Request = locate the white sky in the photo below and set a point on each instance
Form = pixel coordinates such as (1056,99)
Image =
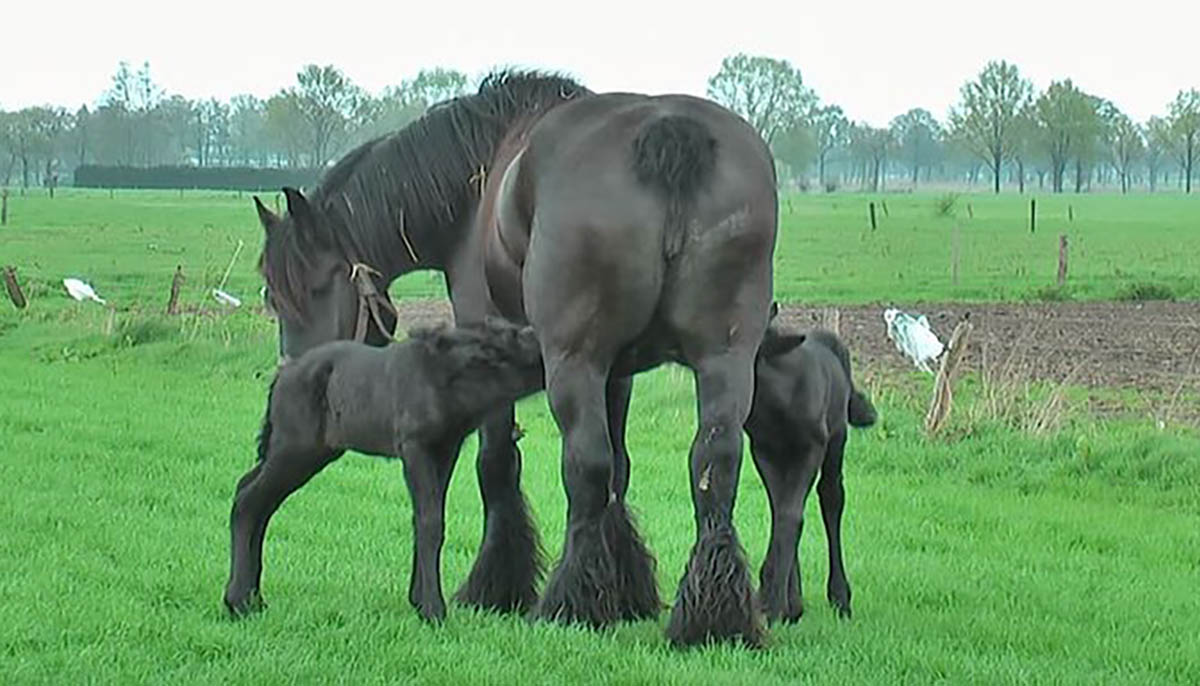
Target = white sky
(874,58)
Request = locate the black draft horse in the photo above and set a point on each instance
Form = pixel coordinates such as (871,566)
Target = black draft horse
(611,223)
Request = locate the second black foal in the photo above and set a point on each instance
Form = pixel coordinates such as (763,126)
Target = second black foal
(804,399)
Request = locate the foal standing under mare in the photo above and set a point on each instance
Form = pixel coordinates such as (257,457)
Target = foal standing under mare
(804,401)
(416,400)
(609,222)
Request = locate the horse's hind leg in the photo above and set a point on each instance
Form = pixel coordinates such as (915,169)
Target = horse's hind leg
(427,471)
(605,574)
(509,564)
(715,599)
(260,493)
(617,395)
(833,501)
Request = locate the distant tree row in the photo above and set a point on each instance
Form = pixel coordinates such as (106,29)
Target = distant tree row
(1000,131)
(1063,137)
(137,124)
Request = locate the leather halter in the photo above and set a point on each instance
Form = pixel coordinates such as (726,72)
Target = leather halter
(369,301)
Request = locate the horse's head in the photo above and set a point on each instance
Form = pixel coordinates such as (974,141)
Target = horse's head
(318,292)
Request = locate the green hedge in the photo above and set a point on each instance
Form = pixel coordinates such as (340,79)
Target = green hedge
(231,178)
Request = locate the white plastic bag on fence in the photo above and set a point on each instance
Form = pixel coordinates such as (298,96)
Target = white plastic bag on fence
(913,338)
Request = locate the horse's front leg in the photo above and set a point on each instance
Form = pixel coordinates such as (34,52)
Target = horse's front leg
(509,564)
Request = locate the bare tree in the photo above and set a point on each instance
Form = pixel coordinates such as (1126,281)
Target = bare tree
(986,118)
(326,100)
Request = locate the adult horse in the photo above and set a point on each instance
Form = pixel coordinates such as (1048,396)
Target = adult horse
(615,224)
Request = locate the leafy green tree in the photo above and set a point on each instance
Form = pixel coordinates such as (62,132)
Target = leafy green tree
(986,119)
(1184,122)
(768,93)
(916,134)
(1064,116)
(1157,132)
(1125,146)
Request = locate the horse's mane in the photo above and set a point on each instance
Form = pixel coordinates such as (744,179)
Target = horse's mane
(422,177)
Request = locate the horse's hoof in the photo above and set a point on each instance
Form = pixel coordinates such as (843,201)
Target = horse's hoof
(246,605)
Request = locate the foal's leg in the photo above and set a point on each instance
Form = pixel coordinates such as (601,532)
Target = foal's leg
(789,479)
(509,564)
(715,600)
(427,470)
(260,493)
(833,501)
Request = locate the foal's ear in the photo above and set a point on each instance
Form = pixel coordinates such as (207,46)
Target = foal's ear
(266,216)
(774,311)
(779,344)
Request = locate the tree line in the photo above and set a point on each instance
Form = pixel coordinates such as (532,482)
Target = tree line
(1062,138)
(999,132)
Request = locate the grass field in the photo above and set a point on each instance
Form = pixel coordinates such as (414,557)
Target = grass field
(994,556)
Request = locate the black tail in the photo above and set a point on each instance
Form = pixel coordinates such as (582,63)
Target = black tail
(862,412)
(675,155)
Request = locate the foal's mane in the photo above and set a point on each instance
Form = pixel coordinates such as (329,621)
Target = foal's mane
(461,350)
(422,177)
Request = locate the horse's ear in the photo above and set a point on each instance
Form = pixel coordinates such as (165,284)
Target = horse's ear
(297,205)
(266,216)
(775,344)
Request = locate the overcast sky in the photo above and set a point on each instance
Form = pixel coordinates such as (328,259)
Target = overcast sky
(874,59)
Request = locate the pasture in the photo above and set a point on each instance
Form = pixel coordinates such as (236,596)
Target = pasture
(995,555)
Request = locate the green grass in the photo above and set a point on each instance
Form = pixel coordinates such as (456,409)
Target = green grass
(1122,247)
(990,557)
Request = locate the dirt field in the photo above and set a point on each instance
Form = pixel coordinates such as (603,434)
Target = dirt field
(1150,346)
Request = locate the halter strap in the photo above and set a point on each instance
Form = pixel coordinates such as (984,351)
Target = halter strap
(369,301)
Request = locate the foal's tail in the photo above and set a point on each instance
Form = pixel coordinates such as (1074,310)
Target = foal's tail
(314,381)
(675,155)
(862,412)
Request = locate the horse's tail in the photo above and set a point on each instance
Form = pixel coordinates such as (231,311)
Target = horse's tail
(861,411)
(675,155)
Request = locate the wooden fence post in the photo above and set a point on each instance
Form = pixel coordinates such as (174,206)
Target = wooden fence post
(4,207)
(954,253)
(1032,215)
(1062,260)
(943,387)
(176,283)
(14,288)
(872,206)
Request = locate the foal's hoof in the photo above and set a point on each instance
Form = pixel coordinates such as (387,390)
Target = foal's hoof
(431,614)
(245,605)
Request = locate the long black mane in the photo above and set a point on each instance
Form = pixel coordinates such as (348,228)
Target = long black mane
(423,178)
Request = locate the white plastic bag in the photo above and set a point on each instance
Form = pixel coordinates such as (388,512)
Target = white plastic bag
(913,338)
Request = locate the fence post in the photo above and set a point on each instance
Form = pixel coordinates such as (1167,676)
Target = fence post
(176,283)
(872,206)
(954,253)
(1032,215)
(1062,260)
(943,388)
(14,288)
(4,207)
